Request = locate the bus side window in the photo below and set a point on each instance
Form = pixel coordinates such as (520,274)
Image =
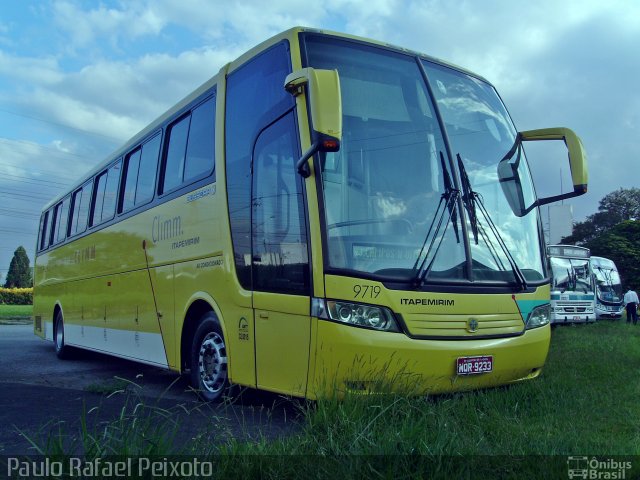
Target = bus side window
(111,192)
(201,144)
(57,211)
(51,229)
(106,194)
(44,223)
(174,164)
(148,168)
(132,167)
(98,199)
(190,152)
(80,209)
(61,217)
(140,174)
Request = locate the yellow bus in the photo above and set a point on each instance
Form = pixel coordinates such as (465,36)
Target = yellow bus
(327,214)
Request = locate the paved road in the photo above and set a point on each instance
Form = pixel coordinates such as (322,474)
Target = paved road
(38,391)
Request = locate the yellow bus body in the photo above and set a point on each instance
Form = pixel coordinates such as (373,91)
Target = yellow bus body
(136,287)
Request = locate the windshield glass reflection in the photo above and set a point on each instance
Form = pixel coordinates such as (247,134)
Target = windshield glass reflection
(481,132)
(571,275)
(384,189)
(608,283)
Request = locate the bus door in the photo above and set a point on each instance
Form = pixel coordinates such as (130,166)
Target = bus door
(280,261)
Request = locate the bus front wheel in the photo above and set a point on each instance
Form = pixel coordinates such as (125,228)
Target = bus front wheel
(62,350)
(209,361)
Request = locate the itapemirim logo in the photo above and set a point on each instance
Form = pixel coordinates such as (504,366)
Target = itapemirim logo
(594,468)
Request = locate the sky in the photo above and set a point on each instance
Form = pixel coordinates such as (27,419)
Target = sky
(79,78)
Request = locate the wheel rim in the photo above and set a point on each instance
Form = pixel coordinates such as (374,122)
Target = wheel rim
(212,363)
(59,335)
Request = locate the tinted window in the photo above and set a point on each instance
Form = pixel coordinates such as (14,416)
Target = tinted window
(174,166)
(140,174)
(111,192)
(61,218)
(80,209)
(106,194)
(280,257)
(190,153)
(101,184)
(44,224)
(148,169)
(131,179)
(200,149)
(255,98)
(56,222)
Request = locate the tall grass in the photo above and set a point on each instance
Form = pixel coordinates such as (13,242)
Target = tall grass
(587,402)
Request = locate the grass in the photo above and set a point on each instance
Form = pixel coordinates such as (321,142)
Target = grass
(15,314)
(587,402)
(109,387)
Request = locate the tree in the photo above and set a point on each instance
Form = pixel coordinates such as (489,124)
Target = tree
(614,232)
(616,207)
(19,275)
(622,245)
(623,204)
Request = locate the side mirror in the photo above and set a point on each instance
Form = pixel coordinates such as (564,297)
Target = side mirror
(509,176)
(325,106)
(577,159)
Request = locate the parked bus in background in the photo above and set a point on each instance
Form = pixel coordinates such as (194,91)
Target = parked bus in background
(572,286)
(609,293)
(325,214)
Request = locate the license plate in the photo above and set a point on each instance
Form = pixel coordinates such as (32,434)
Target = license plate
(576,318)
(474,365)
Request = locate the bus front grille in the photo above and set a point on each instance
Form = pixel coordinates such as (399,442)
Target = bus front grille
(468,326)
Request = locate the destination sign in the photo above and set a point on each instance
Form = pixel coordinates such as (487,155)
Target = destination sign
(569,251)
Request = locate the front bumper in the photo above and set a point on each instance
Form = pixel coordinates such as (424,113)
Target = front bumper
(350,359)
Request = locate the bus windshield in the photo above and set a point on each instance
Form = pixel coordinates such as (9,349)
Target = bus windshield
(571,274)
(389,186)
(608,283)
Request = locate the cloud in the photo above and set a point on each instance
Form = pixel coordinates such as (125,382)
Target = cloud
(215,22)
(114,99)
(84,27)
(44,70)
(553,63)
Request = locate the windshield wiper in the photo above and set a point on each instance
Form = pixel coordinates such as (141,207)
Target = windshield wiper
(608,275)
(570,283)
(473,202)
(448,202)
(450,190)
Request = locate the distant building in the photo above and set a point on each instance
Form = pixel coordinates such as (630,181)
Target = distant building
(560,223)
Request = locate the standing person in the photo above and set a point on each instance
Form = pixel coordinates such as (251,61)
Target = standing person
(631,303)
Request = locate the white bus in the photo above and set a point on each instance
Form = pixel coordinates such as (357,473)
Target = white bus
(609,293)
(572,289)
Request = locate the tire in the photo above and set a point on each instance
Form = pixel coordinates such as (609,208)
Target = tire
(209,360)
(62,350)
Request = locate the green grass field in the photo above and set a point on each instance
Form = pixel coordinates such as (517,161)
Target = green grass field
(587,402)
(15,314)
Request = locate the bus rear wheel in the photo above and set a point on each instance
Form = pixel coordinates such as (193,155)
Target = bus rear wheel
(209,360)
(62,350)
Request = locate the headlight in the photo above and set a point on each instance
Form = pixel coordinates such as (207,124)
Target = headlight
(539,317)
(359,314)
